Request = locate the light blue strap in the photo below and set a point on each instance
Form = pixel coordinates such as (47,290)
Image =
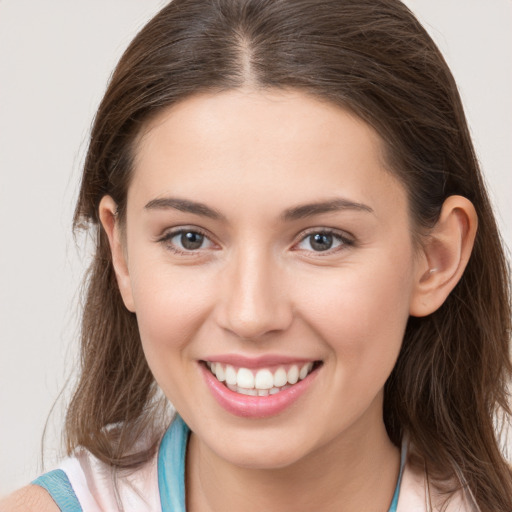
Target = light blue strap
(171,467)
(57,484)
(403,457)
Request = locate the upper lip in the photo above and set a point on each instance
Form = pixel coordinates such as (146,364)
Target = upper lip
(257,362)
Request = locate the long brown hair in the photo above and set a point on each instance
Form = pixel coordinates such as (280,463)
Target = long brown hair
(374,58)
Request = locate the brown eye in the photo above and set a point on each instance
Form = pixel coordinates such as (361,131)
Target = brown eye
(191,240)
(182,241)
(323,241)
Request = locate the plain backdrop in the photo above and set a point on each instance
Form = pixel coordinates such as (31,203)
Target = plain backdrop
(55,60)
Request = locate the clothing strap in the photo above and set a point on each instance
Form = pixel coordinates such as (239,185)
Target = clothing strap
(171,466)
(57,484)
(403,458)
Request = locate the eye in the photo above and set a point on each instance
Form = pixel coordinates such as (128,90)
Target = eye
(184,241)
(323,240)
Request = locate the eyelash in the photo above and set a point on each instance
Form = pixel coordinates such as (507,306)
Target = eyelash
(166,240)
(344,239)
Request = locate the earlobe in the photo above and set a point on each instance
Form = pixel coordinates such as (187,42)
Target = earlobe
(110,223)
(444,255)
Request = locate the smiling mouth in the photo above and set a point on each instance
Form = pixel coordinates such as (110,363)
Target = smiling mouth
(262,381)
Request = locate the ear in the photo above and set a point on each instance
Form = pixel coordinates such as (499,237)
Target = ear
(444,255)
(110,223)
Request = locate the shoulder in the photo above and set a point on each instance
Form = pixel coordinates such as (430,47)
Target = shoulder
(417,495)
(31,498)
(99,486)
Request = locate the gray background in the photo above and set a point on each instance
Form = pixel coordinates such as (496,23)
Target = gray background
(55,59)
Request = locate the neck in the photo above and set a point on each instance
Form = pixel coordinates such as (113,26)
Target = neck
(357,470)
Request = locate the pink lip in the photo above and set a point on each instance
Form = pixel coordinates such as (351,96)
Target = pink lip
(255,406)
(256,362)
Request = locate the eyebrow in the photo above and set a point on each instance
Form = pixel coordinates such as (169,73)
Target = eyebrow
(295,213)
(184,205)
(334,205)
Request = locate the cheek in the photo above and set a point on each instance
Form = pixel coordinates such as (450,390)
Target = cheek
(171,306)
(360,314)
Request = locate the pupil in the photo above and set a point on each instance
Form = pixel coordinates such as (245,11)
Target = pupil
(321,242)
(191,240)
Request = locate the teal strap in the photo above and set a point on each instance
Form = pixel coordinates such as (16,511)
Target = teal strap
(57,484)
(171,467)
(403,457)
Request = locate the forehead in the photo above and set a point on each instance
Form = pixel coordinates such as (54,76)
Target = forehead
(285,146)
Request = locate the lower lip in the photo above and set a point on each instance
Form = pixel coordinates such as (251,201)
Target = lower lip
(255,406)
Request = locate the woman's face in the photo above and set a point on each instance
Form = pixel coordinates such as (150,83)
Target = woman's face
(265,239)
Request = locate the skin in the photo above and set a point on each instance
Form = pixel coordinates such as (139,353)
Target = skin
(257,287)
(30,498)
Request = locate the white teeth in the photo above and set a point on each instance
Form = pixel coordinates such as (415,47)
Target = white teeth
(293,374)
(305,370)
(245,378)
(264,380)
(230,375)
(219,373)
(250,392)
(280,378)
(256,392)
(261,383)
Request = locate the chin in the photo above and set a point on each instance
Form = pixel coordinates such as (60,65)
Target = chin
(265,452)
(262,460)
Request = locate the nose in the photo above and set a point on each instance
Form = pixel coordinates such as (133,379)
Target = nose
(254,298)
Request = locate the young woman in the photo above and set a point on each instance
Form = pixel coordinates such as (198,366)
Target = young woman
(294,248)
